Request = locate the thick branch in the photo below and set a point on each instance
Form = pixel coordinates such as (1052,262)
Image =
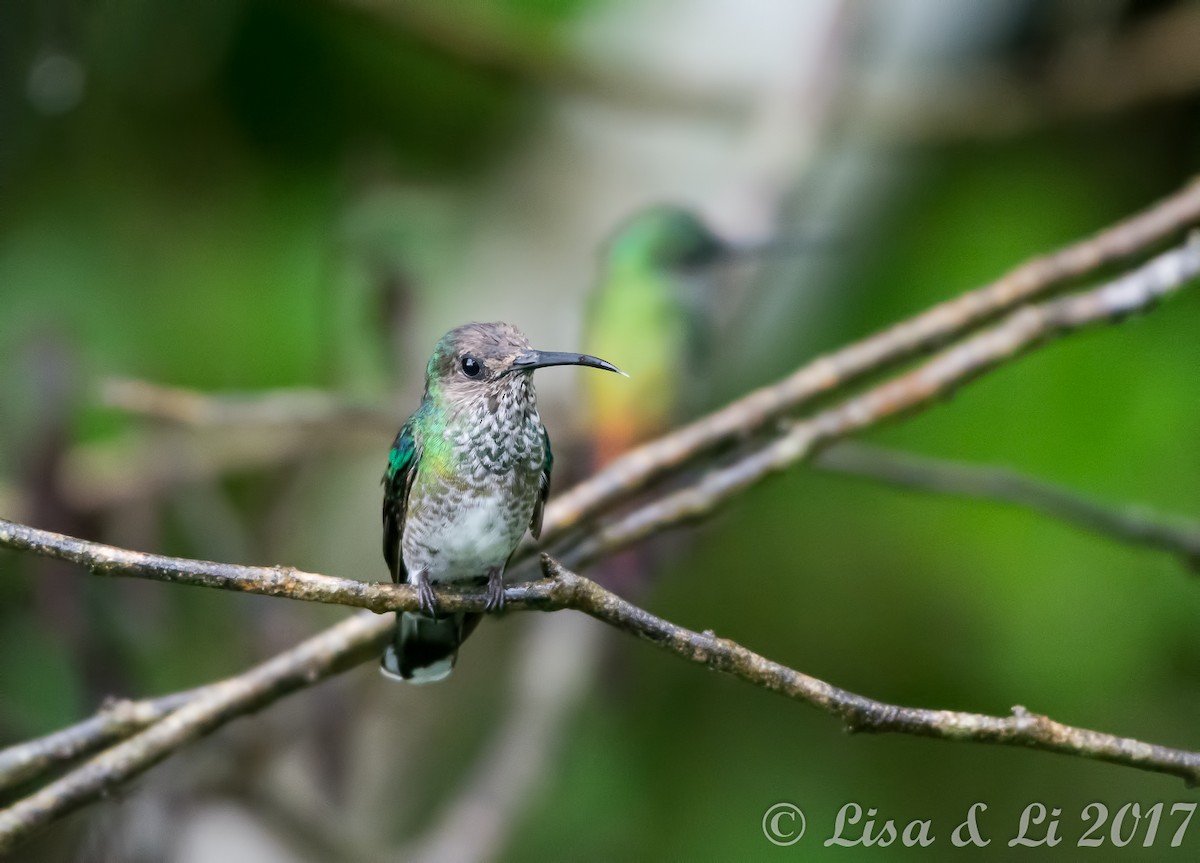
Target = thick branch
(1132,524)
(639,467)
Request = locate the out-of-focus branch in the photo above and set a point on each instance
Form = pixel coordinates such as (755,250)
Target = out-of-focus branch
(1090,76)
(484,40)
(641,466)
(556,664)
(115,720)
(1136,525)
(285,407)
(140,466)
(1024,330)
(334,650)
(242,432)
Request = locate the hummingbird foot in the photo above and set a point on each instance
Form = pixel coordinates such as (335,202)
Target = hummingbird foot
(495,590)
(425,595)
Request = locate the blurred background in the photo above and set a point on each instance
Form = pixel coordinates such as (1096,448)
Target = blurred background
(247,196)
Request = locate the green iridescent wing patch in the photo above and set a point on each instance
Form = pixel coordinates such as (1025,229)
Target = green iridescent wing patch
(397,481)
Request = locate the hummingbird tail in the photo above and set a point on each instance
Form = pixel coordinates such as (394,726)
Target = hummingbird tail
(424,648)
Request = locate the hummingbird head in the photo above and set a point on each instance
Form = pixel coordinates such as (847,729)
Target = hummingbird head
(481,362)
(664,237)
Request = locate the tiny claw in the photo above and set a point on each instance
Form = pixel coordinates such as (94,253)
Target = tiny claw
(495,591)
(426,597)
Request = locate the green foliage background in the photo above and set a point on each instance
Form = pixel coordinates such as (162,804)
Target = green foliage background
(187,225)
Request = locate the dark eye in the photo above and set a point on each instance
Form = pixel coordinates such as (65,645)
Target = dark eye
(471,367)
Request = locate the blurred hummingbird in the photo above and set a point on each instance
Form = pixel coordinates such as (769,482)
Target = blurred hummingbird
(662,292)
(467,474)
(652,306)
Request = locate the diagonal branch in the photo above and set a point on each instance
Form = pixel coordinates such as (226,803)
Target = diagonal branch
(641,466)
(1136,525)
(858,712)
(1024,330)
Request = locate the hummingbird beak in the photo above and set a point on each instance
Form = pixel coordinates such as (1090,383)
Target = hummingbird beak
(540,359)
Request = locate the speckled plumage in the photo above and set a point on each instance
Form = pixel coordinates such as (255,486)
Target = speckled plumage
(467,475)
(468,510)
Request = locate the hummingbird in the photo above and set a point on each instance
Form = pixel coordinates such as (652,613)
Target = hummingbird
(467,474)
(653,303)
(665,291)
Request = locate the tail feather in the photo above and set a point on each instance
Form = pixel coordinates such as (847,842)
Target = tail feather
(424,648)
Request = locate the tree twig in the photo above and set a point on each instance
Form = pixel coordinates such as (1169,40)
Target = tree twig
(1132,524)
(281,407)
(115,720)
(643,465)
(858,712)
(1024,330)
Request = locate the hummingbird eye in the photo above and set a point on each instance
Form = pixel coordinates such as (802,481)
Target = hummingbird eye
(471,367)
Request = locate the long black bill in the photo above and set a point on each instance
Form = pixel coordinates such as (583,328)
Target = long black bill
(541,359)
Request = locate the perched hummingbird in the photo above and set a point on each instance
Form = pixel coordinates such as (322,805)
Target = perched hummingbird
(467,473)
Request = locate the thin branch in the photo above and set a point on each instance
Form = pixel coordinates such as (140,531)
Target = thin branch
(1030,327)
(859,713)
(283,581)
(641,466)
(334,650)
(115,720)
(1024,330)
(1136,525)
(133,468)
(282,407)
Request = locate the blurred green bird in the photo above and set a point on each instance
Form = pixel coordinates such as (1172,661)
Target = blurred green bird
(653,306)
